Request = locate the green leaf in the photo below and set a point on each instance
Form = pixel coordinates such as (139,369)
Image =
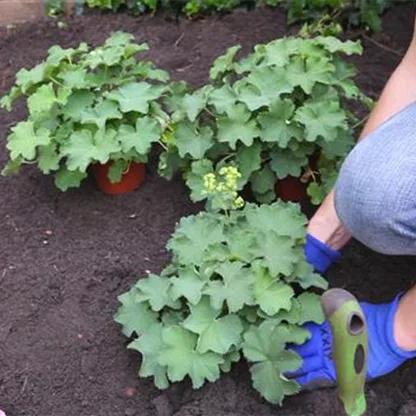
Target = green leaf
(7,101)
(76,103)
(194,237)
(223,99)
(277,125)
(265,346)
(271,295)
(248,160)
(310,308)
(117,169)
(240,244)
(340,146)
(120,38)
(41,101)
(172,317)
(66,179)
(271,83)
(249,313)
(49,158)
(23,141)
(334,45)
(284,219)
(193,141)
(278,52)
(313,280)
(135,96)
(12,167)
(263,181)
(321,119)
(230,358)
(56,55)
(83,148)
(270,383)
(277,253)
(238,126)
(305,308)
(189,284)
(134,316)
(308,72)
(98,115)
(155,289)
(287,163)
(181,358)
(147,131)
(193,104)
(235,289)
(195,178)
(216,333)
(224,63)
(248,63)
(104,56)
(251,97)
(75,78)
(25,79)
(150,344)
(147,70)
(170,163)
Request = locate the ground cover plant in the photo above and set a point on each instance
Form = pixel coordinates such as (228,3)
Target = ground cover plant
(238,286)
(281,112)
(88,106)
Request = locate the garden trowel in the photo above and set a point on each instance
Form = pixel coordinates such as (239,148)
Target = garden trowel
(350,348)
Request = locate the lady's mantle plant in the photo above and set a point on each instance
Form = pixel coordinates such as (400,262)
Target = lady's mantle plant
(88,106)
(238,286)
(281,111)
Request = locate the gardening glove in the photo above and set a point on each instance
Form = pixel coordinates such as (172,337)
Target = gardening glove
(384,355)
(319,255)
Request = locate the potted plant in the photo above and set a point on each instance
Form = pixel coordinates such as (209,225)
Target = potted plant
(281,115)
(92,110)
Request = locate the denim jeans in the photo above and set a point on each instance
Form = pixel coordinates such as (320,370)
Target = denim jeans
(375,195)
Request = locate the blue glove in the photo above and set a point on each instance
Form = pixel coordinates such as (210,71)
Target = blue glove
(319,255)
(384,354)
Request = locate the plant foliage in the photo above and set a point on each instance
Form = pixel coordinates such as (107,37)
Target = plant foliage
(238,286)
(363,13)
(281,111)
(88,106)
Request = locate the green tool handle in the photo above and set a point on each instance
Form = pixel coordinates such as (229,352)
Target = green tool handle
(349,348)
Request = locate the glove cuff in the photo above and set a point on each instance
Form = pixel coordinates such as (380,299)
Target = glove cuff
(319,255)
(390,330)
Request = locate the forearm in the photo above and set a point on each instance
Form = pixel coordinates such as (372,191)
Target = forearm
(399,92)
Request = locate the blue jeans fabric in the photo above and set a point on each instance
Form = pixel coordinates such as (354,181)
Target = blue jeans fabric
(375,195)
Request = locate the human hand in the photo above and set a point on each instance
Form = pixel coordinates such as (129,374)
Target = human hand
(384,356)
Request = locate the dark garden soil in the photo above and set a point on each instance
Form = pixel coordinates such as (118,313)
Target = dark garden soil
(64,257)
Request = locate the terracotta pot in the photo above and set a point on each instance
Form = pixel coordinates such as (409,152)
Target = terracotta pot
(129,182)
(291,189)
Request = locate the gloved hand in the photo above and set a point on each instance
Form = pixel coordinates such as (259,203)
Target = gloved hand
(384,355)
(319,255)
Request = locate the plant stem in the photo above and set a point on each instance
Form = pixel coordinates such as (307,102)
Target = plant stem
(57,82)
(359,123)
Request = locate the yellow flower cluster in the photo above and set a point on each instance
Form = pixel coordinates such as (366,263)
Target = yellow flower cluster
(226,184)
(210,182)
(239,202)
